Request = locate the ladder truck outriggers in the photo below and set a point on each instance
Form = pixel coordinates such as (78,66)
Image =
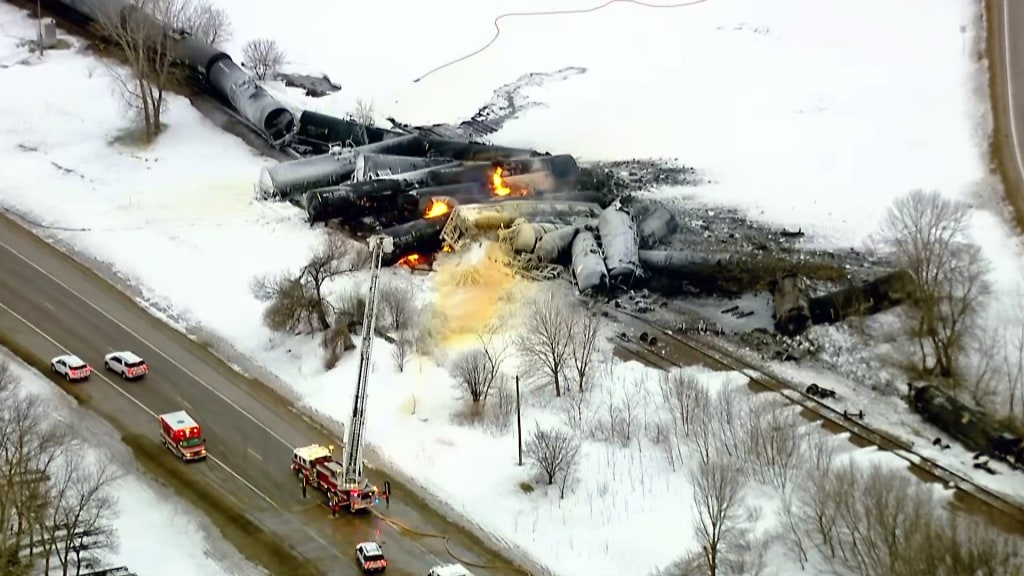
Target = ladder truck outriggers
(343,482)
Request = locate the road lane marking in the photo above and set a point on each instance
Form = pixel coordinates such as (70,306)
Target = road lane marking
(103,377)
(187,405)
(147,343)
(254,455)
(1009,87)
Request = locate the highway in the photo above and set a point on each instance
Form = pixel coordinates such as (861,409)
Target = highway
(1005,50)
(51,304)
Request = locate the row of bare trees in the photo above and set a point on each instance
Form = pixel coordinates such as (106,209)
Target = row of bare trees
(56,502)
(852,519)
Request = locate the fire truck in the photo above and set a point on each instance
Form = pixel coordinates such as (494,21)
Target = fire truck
(182,435)
(317,468)
(343,482)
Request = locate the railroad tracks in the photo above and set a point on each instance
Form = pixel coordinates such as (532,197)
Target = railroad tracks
(792,391)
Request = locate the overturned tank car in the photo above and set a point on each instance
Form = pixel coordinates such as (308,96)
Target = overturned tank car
(975,429)
(880,294)
(791,308)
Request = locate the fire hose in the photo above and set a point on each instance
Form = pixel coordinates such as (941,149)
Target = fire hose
(399,525)
(498,19)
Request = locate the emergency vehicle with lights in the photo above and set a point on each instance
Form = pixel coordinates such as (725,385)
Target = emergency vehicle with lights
(449,570)
(71,367)
(182,435)
(127,364)
(371,558)
(343,482)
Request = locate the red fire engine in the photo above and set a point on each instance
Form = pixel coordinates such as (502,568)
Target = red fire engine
(344,482)
(316,467)
(182,436)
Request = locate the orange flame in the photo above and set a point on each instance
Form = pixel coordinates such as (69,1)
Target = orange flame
(412,260)
(500,188)
(437,208)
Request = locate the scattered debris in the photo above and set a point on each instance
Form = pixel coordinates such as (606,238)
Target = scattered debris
(315,86)
(821,392)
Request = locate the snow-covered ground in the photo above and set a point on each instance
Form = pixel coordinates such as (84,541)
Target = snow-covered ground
(158,534)
(808,114)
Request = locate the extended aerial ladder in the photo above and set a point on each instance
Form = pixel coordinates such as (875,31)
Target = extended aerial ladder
(353,459)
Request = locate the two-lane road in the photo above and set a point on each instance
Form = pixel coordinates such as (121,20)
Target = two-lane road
(51,304)
(1005,27)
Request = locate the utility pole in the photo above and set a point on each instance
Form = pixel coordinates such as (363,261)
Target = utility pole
(963,39)
(39,27)
(519,422)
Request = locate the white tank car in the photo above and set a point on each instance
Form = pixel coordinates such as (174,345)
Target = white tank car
(587,264)
(523,236)
(619,240)
(555,245)
(656,226)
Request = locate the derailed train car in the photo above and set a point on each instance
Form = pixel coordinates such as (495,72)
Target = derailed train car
(791,307)
(880,294)
(273,120)
(972,427)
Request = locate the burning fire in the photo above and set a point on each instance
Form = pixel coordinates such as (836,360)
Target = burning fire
(411,261)
(437,208)
(500,188)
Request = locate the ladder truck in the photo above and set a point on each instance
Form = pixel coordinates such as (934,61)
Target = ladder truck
(343,482)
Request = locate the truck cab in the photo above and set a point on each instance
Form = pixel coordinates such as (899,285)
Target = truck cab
(182,435)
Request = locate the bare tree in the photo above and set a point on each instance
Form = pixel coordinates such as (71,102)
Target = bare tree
(363,114)
(472,372)
(728,415)
(297,301)
(554,453)
(500,408)
(577,409)
(145,33)
(209,23)
(479,369)
(30,445)
(687,401)
(546,336)
(82,509)
(718,487)
(585,331)
(403,348)
(1013,361)
(926,234)
(264,57)
(398,305)
(772,441)
(622,412)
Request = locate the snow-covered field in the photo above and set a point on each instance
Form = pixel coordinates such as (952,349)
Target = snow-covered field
(809,114)
(158,534)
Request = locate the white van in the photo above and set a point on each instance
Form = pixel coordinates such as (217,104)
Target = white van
(449,570)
